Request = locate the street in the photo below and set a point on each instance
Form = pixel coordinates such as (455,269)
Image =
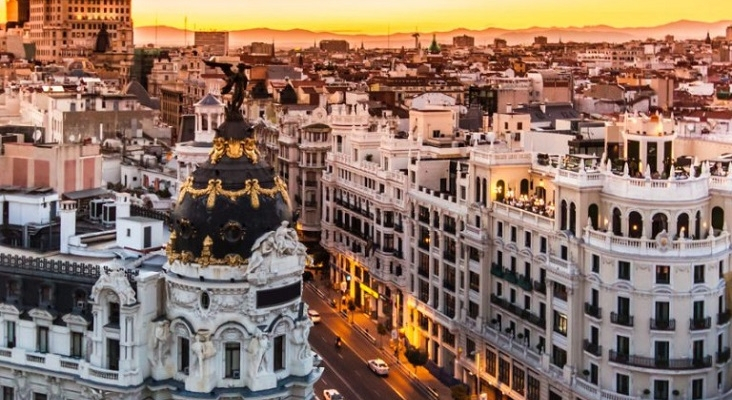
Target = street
(345,368)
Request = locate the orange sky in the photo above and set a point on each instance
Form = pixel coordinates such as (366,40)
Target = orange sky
(382,16)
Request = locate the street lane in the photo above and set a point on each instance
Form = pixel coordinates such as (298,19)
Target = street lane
(346,369)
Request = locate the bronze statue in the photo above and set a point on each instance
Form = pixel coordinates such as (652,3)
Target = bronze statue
(235,79)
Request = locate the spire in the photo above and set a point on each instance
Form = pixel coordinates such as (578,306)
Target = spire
(708,40)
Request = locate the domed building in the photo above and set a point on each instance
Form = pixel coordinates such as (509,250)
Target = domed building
(212,311)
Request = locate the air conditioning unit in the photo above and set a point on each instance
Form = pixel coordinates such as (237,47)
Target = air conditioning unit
(235,374)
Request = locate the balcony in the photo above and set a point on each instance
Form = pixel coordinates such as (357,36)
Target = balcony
(699,324)
(723,356)
(519,312)
(723,317)
(661,363)
(621,319)
(592,348)
(593,311)
(663,324)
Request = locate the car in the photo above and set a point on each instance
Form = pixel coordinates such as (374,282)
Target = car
(332,394)
(314,316)
(378,366)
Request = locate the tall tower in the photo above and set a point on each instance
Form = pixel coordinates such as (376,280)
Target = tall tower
(417,45)
(234,278)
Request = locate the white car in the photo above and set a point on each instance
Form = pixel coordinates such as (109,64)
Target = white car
(378,366)
(332,394)
(314,316)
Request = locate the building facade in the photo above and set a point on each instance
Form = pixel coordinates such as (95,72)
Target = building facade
(528,275)
(66,28)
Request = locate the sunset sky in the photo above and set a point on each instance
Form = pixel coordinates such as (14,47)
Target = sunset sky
(383,16)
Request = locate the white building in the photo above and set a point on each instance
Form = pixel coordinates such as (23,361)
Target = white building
(541,276)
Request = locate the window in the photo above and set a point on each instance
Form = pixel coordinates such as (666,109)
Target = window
(661,352)
(660,390)
(622,384)
(77,344)
(8,393)
(39,396)
(113,354)
(474,281)
(504,370)
(560,323)
(624,270)
(533,391)
(231,360)
(697,351)
(527,240)
(697,389)
(114,314)
(279,353)
(473,310)
(622,344)
(663,274)
(490,363)
(663,312)
(542,245)
(559,356)
(514,234)
(699,274)
(10,333)
(499,229)
(596,263)
(184,355)
(42,339)
(594,374)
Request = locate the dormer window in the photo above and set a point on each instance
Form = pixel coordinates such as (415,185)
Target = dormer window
(114,314)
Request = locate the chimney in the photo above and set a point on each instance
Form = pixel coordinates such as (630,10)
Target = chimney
(68,223)
(123,205)
(509,108)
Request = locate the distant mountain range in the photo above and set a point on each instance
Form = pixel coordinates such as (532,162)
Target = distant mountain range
(300,38)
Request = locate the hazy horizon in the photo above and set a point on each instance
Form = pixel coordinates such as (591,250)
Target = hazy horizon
(381,17)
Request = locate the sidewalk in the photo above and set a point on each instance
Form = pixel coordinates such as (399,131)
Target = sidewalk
(368,328)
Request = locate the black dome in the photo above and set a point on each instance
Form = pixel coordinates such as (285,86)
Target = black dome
(228,202)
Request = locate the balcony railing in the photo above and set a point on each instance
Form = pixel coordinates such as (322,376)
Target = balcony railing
(621,319)
(593,311)
(663,324)
(723,356)
(723,317)
(698,324)
(661,363)
(519,312)
(592,348)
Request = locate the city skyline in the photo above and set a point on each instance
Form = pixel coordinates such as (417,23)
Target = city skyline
(383,17)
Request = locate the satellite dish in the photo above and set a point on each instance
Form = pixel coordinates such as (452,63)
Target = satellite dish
(72,138)
(37,135)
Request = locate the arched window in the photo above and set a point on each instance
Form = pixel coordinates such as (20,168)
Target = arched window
(563,216)
(541,193)
(659,224)
(500,190)
(593,214)
(524,187)
(682,225)
(697,225)
(573,218)
(717,219)
(635,222)
(617,222)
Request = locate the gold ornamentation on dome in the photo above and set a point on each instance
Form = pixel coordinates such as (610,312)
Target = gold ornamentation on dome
(169,247)
(186,257)
(234,148)
(205,258)
(251,189)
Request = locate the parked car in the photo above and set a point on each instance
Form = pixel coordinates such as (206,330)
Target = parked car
(378,366)
(332,394)
(314,316)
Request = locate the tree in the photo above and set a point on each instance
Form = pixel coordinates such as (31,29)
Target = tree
(459,392)
(416,357)
(382,330)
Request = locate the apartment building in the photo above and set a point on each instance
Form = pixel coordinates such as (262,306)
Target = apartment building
(66,28)
(530,275)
